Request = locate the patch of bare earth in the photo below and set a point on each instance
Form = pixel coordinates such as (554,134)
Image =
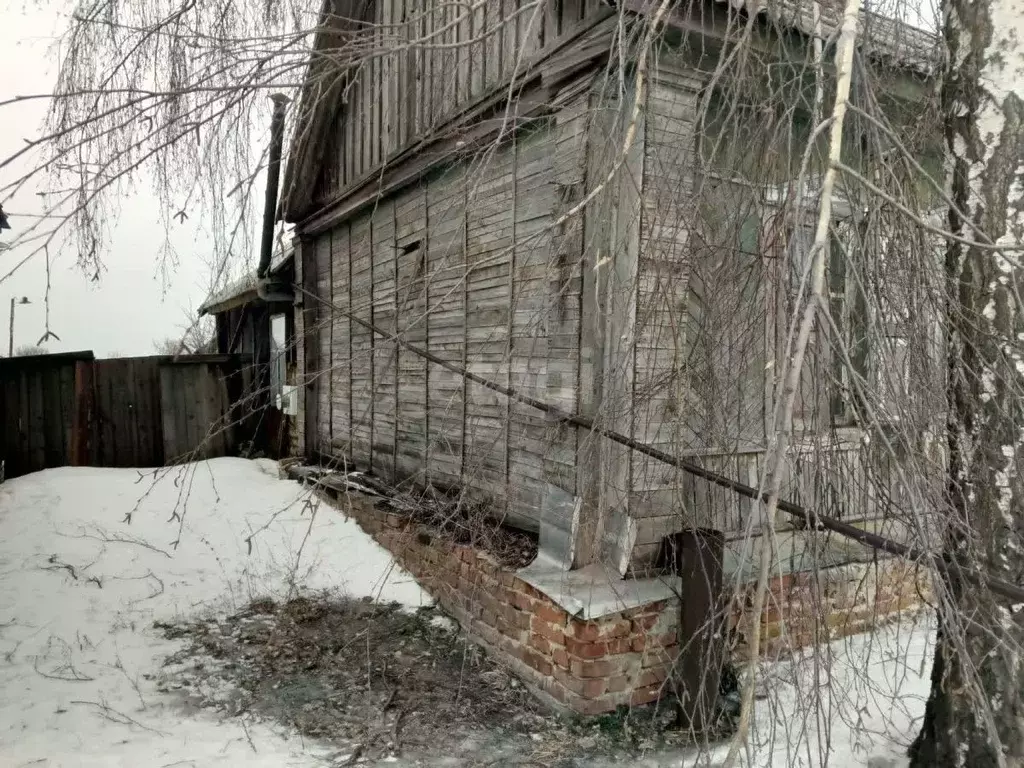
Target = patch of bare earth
(380,682)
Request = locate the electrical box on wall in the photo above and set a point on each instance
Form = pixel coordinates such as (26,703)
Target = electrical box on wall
(287,400)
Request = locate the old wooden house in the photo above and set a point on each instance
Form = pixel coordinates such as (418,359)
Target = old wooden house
(551,196)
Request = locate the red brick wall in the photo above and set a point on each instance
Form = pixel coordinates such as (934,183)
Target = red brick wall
(587,666)
(623,658)
(805,608)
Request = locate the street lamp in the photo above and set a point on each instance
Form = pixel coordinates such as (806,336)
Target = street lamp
(10,338)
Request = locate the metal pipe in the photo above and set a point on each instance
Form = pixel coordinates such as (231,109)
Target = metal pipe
(273,181)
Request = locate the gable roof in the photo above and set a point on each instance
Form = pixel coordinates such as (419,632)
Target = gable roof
(317,105)
(890,40)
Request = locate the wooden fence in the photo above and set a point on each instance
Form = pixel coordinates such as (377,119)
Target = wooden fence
(72,409)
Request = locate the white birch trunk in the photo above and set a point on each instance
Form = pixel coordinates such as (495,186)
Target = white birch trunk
(975,714)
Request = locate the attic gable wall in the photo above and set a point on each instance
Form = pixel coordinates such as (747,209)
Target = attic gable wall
(431,60)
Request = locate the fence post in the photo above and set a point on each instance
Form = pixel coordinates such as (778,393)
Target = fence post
(697,558)
(81,423)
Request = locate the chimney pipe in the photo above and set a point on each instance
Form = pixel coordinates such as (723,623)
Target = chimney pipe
(273,180)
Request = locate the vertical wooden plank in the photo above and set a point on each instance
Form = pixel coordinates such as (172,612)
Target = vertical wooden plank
(387,94)
(5,427)
(143,453)
(399,61)
(418,66)
(476,49)
(67,408)
(398,330)
(144,411)
(329,312)
(189,391)
(445,272)
(131,415)
(112,401)
(425,294)
(52,443)
(205,433)
(310,313)
(489,230)
(109,446)
(13,457)
(407,128)
(156,418)
(167,415)
(376,91)
(120,410)
(204,430)
(366,118)
(104,456)
(174,402)
(350,328)
(361,341)
(382,243)
(216,407)
(428,67)
(82,424)
(510,38)
(37,416)
(25,423)
(492,43)
(348,131)
(340,368)
(463,32)
(233,391)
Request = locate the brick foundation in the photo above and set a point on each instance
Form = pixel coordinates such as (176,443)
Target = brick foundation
(624,658)
(802,609)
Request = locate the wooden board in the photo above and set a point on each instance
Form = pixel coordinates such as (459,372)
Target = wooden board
(37,411)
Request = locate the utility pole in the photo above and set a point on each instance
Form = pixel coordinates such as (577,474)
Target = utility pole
(10,337)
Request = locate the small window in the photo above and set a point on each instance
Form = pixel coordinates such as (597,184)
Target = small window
(848,308)
(849,354)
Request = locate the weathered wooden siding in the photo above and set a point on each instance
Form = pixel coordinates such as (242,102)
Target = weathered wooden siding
(340,382)
(655,312)
(469,265)
(412,422)
(713,292)
(324,288)
(446,337)
(433,60)
(700,343)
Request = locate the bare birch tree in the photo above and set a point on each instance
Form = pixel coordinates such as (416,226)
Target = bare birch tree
(973,715)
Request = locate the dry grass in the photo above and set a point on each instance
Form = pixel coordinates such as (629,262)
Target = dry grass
(378,682)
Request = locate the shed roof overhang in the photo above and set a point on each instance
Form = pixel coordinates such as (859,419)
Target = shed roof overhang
(250,291)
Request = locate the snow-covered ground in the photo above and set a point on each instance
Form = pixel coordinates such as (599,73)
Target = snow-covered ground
(80,588)
(858,701)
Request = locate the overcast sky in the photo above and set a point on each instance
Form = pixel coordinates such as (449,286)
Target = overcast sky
(131,306)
